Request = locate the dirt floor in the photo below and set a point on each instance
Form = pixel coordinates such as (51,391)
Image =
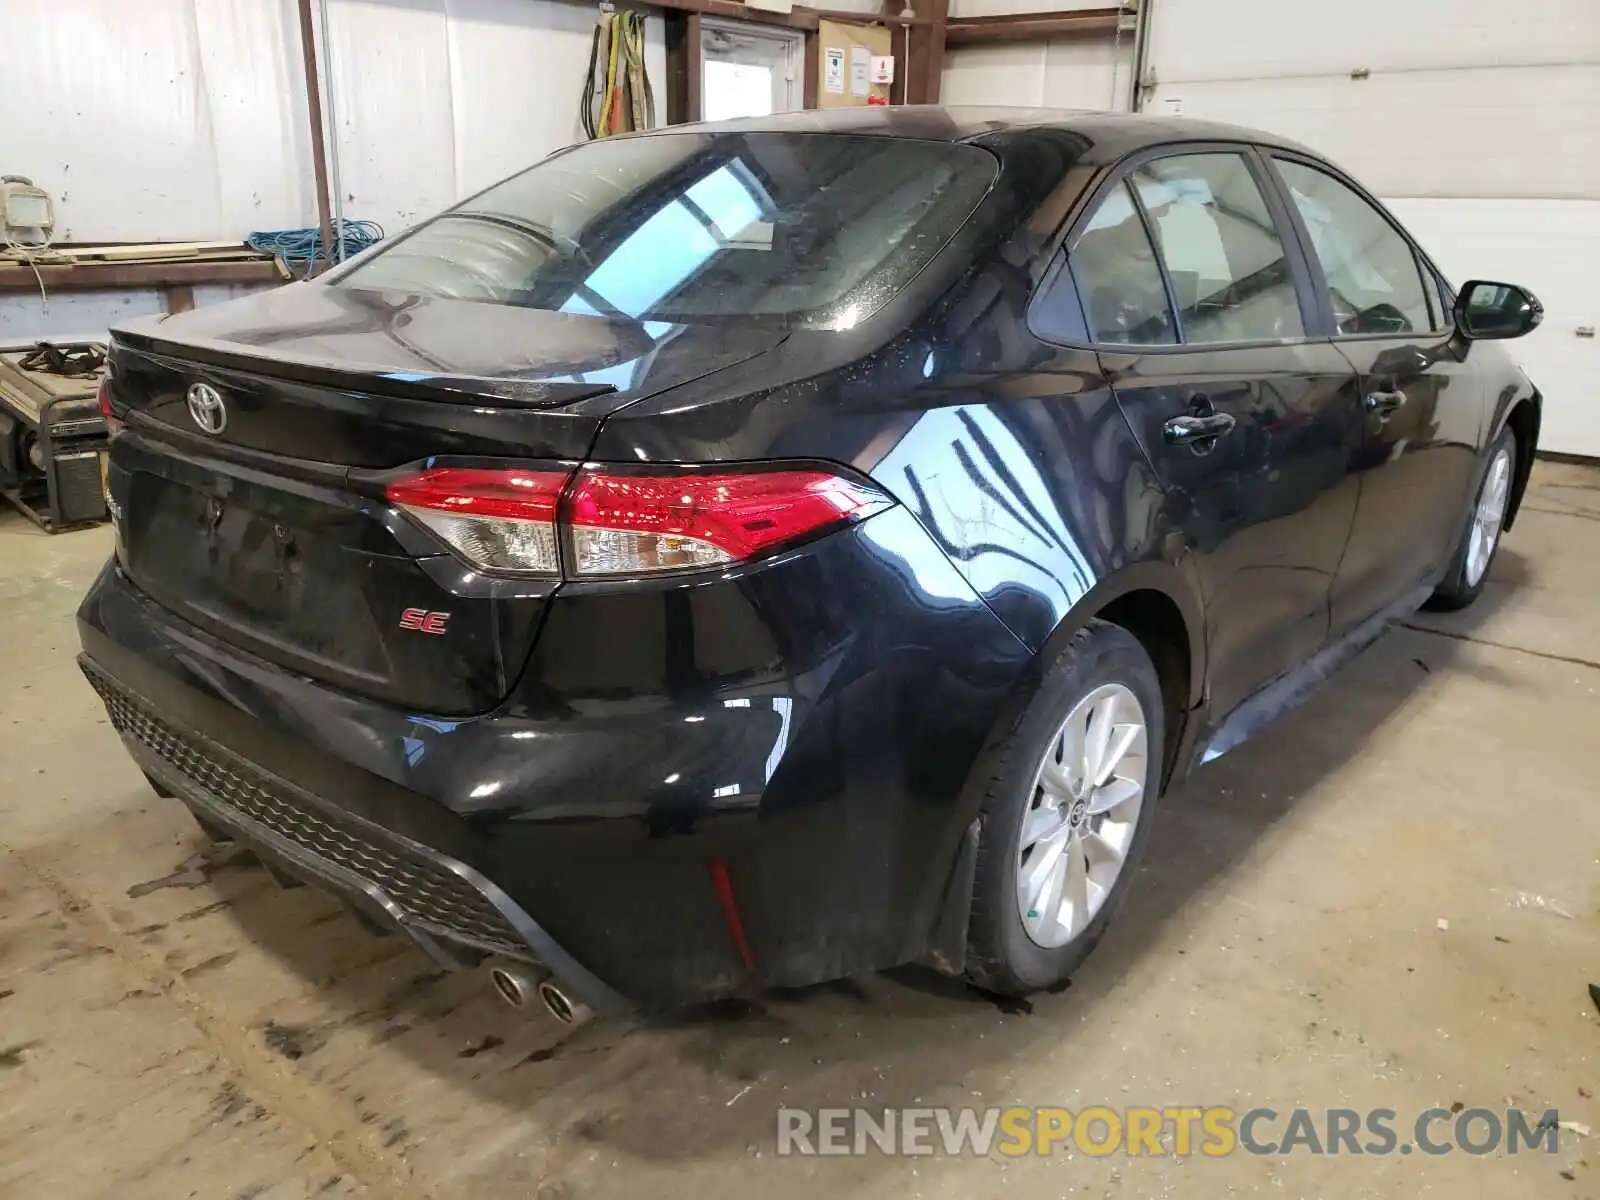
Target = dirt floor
(1389,900)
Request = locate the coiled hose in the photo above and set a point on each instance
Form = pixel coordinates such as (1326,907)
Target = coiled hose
(291,246)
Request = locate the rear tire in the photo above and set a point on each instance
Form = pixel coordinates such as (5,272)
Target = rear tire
(1480,540)
(1058,848)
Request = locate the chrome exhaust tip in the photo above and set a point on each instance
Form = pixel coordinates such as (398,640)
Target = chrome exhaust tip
(515,984)
(563,1006)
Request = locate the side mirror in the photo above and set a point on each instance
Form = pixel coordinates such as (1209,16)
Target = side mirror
(1487,310)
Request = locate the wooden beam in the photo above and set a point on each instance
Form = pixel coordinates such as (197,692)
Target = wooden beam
(799,18)
(684,76)
(811,85)
(1018,27)
(924,53)
(849,17)
(121,275)
(180,298)
(319,162)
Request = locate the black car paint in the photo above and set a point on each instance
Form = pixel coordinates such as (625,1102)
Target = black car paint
(818,723)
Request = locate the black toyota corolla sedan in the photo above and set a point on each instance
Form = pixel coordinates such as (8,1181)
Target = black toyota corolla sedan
(744,555)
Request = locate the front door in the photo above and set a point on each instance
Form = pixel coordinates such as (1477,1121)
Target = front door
(1422,413)
(1249,423)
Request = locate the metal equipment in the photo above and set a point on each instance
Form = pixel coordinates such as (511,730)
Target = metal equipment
(53,436)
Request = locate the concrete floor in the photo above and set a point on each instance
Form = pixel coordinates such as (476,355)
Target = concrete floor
(168,1030)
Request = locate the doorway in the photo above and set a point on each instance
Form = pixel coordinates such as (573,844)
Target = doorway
(747,71)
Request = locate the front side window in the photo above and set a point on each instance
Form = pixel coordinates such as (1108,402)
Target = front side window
(807,228)
(1374,284)
(1124,299)
(1230,276)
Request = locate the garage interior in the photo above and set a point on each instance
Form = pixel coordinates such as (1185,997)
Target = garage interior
(1390,899)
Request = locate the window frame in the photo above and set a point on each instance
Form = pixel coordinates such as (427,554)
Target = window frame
(1314,312)
(1428,273)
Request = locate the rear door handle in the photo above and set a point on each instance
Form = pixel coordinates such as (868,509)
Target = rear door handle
(1383,403)
(1196,430)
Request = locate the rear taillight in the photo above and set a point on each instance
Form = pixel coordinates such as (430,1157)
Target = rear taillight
(495,518)
(104,396)
(622,523)
(626,522)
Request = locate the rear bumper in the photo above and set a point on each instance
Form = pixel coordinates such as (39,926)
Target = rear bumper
(453,912)
(694,790)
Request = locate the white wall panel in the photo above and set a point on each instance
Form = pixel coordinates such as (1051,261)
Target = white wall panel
(75,316)
(516,69)
(24,318)
(1268,39)
(1475,120)
(255,95)
(393,101)
(188,120)
(108,115)
(1552,247)
(1494,131)
(1060,73)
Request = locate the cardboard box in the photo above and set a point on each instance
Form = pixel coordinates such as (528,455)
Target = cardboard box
(844,64)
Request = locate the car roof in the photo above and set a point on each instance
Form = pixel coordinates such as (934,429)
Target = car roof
(1112,135)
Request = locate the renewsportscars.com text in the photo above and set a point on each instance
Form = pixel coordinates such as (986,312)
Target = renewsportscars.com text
(1210,1131)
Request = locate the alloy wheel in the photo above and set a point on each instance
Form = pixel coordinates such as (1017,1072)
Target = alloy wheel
(1488,516)
(1079,826)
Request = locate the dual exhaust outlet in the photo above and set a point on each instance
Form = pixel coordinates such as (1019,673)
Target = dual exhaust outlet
(522,987)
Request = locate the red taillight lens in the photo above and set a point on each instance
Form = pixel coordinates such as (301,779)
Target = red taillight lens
(625,523)
(622,522)
(498,519)
(104,396)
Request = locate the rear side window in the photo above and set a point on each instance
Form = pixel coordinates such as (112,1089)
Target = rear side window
(1230,276)
(1374,283)
(1119,283)
(817,229)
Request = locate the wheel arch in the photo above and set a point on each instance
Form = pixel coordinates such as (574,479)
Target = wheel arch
(1523,415)
(1159,605)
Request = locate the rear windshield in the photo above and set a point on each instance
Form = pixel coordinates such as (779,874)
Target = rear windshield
(817,228)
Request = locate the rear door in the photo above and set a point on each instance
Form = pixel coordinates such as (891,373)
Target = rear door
(1422,405)
(1192,293)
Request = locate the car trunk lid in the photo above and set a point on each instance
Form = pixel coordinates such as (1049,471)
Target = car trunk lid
(265,523)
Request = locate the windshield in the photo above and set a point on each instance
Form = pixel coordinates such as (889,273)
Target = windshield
(818,228)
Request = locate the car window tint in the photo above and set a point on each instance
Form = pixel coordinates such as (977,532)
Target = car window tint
(1230,275)
(1374,283)
(1124,299)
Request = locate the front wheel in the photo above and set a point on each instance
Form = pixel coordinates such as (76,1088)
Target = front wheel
(1469,569)
(1067,814)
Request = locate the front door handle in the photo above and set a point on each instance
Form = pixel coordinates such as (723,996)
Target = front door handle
(1197,430)
(1383,403)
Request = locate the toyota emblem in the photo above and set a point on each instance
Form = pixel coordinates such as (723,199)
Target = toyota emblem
(207,408)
